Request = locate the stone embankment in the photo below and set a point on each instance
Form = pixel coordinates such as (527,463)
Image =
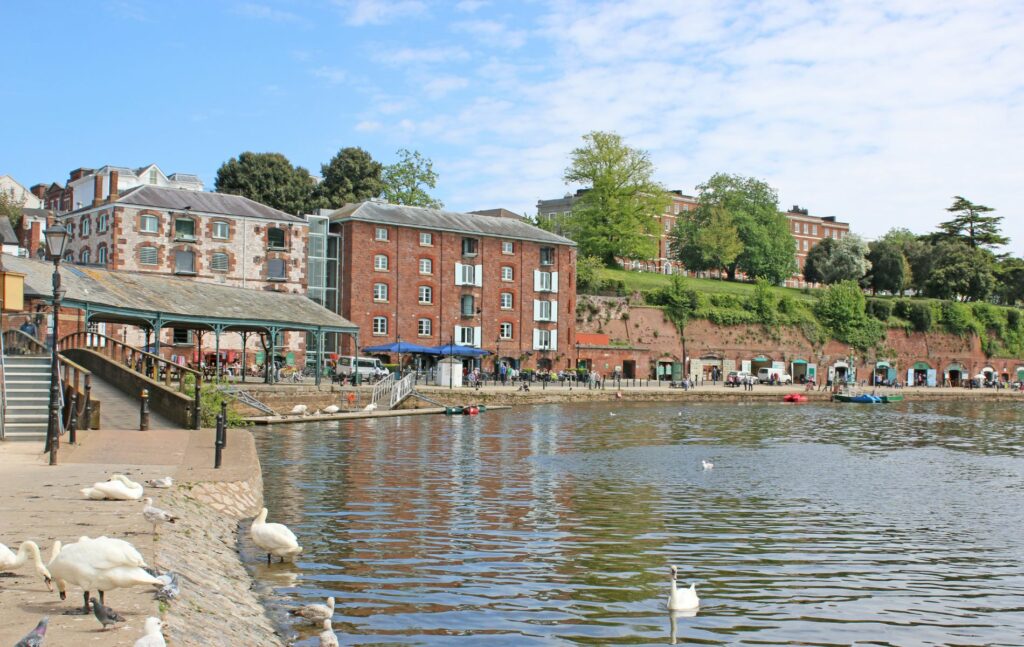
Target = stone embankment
(216,605)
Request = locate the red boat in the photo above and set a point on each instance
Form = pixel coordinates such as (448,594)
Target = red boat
(794,397)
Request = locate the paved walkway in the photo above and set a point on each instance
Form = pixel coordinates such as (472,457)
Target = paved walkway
(119,411)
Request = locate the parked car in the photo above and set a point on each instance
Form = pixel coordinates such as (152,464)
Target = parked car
(367,367)
(765,375)
(735,378)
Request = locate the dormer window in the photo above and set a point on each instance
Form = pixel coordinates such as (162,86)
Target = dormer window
(275,238)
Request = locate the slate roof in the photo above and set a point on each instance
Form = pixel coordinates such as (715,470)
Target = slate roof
(421,218)
(7,232)
(200,201)
(172,296)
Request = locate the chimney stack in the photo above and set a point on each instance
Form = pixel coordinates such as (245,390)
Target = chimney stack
(113,193)
(39,191)
(97,189)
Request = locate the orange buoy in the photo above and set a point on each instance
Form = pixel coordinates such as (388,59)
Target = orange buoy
(351,397)
(472,410)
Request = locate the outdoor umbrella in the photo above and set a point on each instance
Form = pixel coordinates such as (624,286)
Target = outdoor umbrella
(400,347)
(465,351)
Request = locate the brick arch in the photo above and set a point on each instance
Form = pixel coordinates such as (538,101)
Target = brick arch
(386,281)
(83,253)
(228,253)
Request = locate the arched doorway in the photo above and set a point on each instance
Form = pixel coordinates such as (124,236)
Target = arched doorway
(884,373)
(921,374)
(955,374)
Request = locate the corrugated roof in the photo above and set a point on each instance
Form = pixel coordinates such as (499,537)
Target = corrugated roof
(171,296)
(201,201)
(422,218)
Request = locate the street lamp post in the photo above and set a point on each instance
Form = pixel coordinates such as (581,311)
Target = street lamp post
(56,240)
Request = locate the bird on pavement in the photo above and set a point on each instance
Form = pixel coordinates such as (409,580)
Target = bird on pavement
(153,637)
(101,564)
(10,560)
(332,408)
(327,637)
(105,615)
(274,538)
(164,482)
(35,637)
(316,613)
(156,516)
(299,410)
(119,488)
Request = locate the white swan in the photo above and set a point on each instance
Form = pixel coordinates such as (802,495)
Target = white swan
(153,637)
(10,561)
(100,564)
(327,637)
(682,599)
(164,482)
(316,613)
(274,538)
(332,408)
(298,410)
(370,407)
(706,464)
(156,516)
(119,488)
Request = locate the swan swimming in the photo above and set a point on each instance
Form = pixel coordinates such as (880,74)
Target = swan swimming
(682,599)
(9,560)
(100,564)
(274,538)
(706,464)
(118,488)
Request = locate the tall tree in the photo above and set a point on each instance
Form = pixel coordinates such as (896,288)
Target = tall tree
(753,207)
(352,175)
(406,181)
(707,240)
(919,252)
(972,225)
(616,218)
(960,272)
(846,262)
(1009,273)
(817,259)
(268,178)
(890,270)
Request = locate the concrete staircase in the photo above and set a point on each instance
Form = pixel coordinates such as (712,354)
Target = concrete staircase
(27,378)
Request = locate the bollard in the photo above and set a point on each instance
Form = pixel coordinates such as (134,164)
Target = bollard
(73,422)
(224,418)
(218,442)
(144,411)
(88,402)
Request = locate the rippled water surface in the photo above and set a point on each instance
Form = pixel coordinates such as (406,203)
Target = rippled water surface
(824,524)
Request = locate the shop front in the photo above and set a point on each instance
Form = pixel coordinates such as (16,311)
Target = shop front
(885,373)
(956,373)
(803,371)
(921,374)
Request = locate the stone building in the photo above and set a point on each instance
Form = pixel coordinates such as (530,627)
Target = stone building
(88,186)
(433,277)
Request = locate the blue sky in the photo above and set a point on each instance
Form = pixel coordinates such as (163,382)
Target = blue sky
(874,112)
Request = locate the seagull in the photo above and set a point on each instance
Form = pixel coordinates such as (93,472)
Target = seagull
(682,599)
(332,408)
(298,410)
(612,413)
(35,637)
(316,613)
(708,465)
(327,637)
(164,482)
(105,615)
(155,515)
(153,637)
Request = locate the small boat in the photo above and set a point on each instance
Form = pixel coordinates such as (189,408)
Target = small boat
(794,397)
(892,398)
(862,398)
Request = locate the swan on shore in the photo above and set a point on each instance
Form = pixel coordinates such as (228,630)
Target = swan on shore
(153,637)
(274,538)
(118,488)
(682,599)
(316,613)
(100,564)
(10,560)
(298,410)
(155,515)
(332,408)
(327,637)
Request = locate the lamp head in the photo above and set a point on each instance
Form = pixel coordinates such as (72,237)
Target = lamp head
(56,240)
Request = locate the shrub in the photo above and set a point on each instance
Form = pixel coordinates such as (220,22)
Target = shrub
(880,309)
(588,274)
(919,315)
(763,302)
(1013,318)
(840,309)
(956,318)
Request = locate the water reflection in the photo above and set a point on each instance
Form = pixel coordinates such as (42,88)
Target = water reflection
(819,524)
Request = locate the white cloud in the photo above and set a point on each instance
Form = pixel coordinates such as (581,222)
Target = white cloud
(368,126)
(379,12)
(266,12)
(440,86)
(491,32)
(423,55)
(332,75)
(470,6)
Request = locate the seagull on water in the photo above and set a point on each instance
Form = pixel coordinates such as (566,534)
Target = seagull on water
(316,613)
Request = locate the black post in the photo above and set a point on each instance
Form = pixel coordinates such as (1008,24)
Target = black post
(88,402)
(53,429)
(218,442)
(144,410)
(224,422)
(196,419)
(73,422)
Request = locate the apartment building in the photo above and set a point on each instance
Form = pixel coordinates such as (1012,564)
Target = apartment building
(807,231)
(90,187)
(435,277)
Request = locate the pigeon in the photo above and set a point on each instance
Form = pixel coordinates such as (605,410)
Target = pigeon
(153,637)
(170,589)
(155,515)
(164,482)
(105,615)
(708,465)
(327,637)
(35,637)
(315,613)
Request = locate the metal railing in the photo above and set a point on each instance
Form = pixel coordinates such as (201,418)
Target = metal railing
(153,367)
(401,390)
(16,342)
(382,391)
(3,389)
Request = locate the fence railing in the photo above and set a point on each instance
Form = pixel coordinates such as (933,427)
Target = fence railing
(174,377)
(17,342)
(382,391)
(402,389)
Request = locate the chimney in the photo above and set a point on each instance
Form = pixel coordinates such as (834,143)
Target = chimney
(39,191)
(113,194)
(97,189)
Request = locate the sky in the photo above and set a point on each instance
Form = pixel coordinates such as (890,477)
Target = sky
(877,113)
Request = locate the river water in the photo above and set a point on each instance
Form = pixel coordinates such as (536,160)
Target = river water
(819,524)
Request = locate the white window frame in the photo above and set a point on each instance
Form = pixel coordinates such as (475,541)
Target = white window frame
(429,263)
(545,281)
(508,247)
(101,223)
(227,229)
(544,310)
(467,336)
(426,330)
(506,296)
(380,326)
(380,233)
(380,262)
(471,275)
(505,330)
(380,292)
(148,217)
(507,273)
(426,239)
(101,255)
(86,227)
(429,291)
(545,339)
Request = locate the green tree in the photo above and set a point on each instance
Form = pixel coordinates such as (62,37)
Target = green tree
(890,270)
(764,303)
(407,180)
(753,207)
(588,274)
(352,175)
(841,310)
(678,304)
(707,240)
(1009,274)
(817,259)
(919,252)
(960,272)
(972,225)
(10,209)
(268,178)
(616,217)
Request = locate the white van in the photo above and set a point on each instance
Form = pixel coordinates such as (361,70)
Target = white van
(764,376)
(366,366)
